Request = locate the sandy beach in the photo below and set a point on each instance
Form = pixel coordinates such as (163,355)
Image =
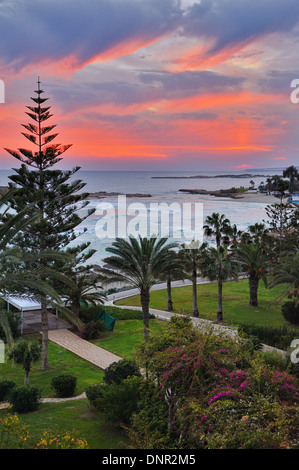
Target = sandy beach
(256,197)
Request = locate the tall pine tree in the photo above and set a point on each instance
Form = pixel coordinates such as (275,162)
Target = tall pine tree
(51,192)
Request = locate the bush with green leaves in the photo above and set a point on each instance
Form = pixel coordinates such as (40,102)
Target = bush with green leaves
(274,359)
(93,393)
(119,371)
(92,313)
(290,312)
(92,330)
(5,387)
(213,392)
(25,353)
(14,321)
(118,402)
(24,399)
(64,385)
(280,338)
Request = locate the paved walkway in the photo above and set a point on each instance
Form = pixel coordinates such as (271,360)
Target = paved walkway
(88,351)
(5,404)
(165,315)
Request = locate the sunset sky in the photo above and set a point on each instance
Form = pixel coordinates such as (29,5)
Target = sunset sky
(155,84)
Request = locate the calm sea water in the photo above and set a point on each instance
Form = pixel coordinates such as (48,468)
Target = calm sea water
(164,190)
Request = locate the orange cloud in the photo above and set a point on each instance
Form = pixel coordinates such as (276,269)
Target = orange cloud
(244,165)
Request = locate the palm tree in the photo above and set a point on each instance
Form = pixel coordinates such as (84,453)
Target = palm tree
(7,232)
(220,266)
(292,173)
(174,272)
(219,226)
(258,232)
(193,259)
(85,290)
(140,262)
(25,353)
(253,260)
(14,276)
(287,272)
(235,236)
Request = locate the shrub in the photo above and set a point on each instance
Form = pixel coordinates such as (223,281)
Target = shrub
(66,440)
(274,359)
(5,387)
(290,312)
(118,402)
(93,329)
(64,385)
(119,371)
(180,322)
(93,393)
(13,433)
(219,394)
(280,338)
(14,320)
(91,313)
(24,399)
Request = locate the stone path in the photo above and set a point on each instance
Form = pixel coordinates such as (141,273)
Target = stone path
(4,405)
(88,351)
(165,315)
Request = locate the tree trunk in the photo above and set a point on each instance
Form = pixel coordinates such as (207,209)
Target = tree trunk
(194,294)
(26,379)
(253,288)
(145,300)
(169,299)
(219,313)
(45,337)
(76,308)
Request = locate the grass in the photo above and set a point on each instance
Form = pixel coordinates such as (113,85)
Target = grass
(68,416)
(236,308)
(127,334)
(61,362)
(64,417)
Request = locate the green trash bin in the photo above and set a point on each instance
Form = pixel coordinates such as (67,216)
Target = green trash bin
(107,319)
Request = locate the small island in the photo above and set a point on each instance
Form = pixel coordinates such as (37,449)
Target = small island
(101,194)
(243,175)
(232,193)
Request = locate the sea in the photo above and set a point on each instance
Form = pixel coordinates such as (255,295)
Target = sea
(162,190)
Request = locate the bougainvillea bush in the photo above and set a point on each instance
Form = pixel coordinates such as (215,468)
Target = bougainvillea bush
(213,392)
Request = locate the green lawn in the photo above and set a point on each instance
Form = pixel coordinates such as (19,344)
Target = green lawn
(126,336)
(76,414)
(61,362)
(122,341)
(68,416)
(236,306)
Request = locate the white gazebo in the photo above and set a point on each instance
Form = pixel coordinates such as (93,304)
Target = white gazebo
(23,303)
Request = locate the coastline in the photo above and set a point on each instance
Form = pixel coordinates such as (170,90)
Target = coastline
(262,198)
(242,197)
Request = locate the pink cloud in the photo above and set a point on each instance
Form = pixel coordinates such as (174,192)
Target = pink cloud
(244,165)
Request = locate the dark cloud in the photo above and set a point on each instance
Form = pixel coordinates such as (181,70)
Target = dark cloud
(151,87)
(278,81)
(231,22)
(32,30)
(191,82)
